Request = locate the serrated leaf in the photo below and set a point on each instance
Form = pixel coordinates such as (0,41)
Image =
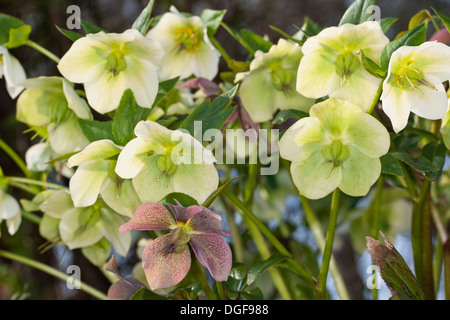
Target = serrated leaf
(164,87)
(358,12)
(283,115)
(394,270)
(390,165)
(211,114)
(143,21)
(212,19)
(95,130)
(413,37)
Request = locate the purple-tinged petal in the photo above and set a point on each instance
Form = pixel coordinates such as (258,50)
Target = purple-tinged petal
(164,265)
(179,211)
(203,220)
(213,253)
(150,216)
(124,289)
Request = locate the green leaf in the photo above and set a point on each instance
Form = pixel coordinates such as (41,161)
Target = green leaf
(95,130)
(182,198)
(212,19)
(216,193)
(90,28)
(394,270)
(234,280)
(287,36)
(390,165)
(435,153)
(143,21)
(358,12)
(210,114)
(252,294)
(372,67)
(259,268)
(413,37)
(421,164)
(145,294)
(7,23)
(72,35)
(444,18)
(283,115)
(164,88)
(255,41)
(18,36)
(386,23)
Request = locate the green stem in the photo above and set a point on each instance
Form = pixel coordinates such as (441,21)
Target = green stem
(427,254)
(327,252)
(220,290)
(15,157)
(221,49)
(316,229)
(42,50)
(375,99)
(53,272)
(446,249)
(31,217)
(292,264)
(36,182)
(238,247)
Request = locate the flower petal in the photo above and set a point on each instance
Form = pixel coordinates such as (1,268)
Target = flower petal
(14,73)
(359,173)
(133,158)
(109,223)
(13,224)
(213,253)
(429,103)
(75,102)
(100,149)
(57,204)
(395,104)
(79,228)
(164,267)
(150,216)
(66,137)
(203,220)
(9,207)
(120,196)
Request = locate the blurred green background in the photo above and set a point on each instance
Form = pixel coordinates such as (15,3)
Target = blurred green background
(18,281)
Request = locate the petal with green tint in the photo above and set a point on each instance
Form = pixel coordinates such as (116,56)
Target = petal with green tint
(32,107)
(133,158)
(214,253)
(97,150)
(163,266)
(75,102)
(9,207)
(86,184)
(110,223)
(14,73)
(196,180)
(13,224)
(67,137)
(57,204)
(368,135)
(359,173)
(429,103)
(150,216)
(431,57)
(120,196)
(315,178)
(79,228)
(396,105)
(49,228)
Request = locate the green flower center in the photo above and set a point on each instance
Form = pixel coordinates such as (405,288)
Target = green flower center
(180,238)
(409,77)
(188,38)
(282,79)
(336,153)
(346,64)
(166,166)
(116,62)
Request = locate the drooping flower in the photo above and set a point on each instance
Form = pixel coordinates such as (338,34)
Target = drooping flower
(167,259)
(10,212)
(338,146)
(414,83)
(270,83)
(95,175)
(51,104)
(110,63)
(332,63)
(161,161)
(188,50)
(13,71)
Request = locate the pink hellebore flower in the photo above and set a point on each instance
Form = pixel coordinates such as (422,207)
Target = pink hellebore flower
(167,259)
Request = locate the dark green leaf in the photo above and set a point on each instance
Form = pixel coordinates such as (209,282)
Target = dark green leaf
(444,18)
(252,294)
(390,165)
(212,20)
(95,130)
(287,36)
(421,163)
(72,35)
(210,114)
(372,67)
(182,198)
(259,268)
(143,21)
(234,280)
(7,23)
(413,37)
(283,115)
(435,153)
(18,36)
(145,294)
(255,41)
(386,23)
(358,12)
(89,27)
(164,88)
(216,193)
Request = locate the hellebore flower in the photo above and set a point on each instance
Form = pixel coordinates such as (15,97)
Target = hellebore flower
(188,50)
(95,175)
(332,63)
(338,146)
(414,83)
(167,259)
(110,63)
(161,161)
(10,211)
(13,71)
(270,83)
(51,103)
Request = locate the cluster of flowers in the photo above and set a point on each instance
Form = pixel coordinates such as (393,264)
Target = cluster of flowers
(337,146)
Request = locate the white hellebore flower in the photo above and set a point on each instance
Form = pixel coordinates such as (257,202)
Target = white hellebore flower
(331,64)
(414,83)
(10,211)
(188,50)
(13,71)
(110,63)
(161,161)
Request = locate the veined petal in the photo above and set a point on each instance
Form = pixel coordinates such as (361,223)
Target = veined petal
(203,220)
(150,216)
(213,253)
(315,178)
(204,175)
(120,196)
(32,107)
(100,149)
(395,104)
(79,228)
(163,266)
(133,158)
(429,103)
(359,173)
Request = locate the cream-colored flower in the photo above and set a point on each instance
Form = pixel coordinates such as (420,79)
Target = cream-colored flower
(13,72)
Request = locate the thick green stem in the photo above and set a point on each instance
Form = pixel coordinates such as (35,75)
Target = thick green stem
(53,272)
(36,182)
(15,157)
(328,250)
(375,99)
(42,50)
(316,229)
